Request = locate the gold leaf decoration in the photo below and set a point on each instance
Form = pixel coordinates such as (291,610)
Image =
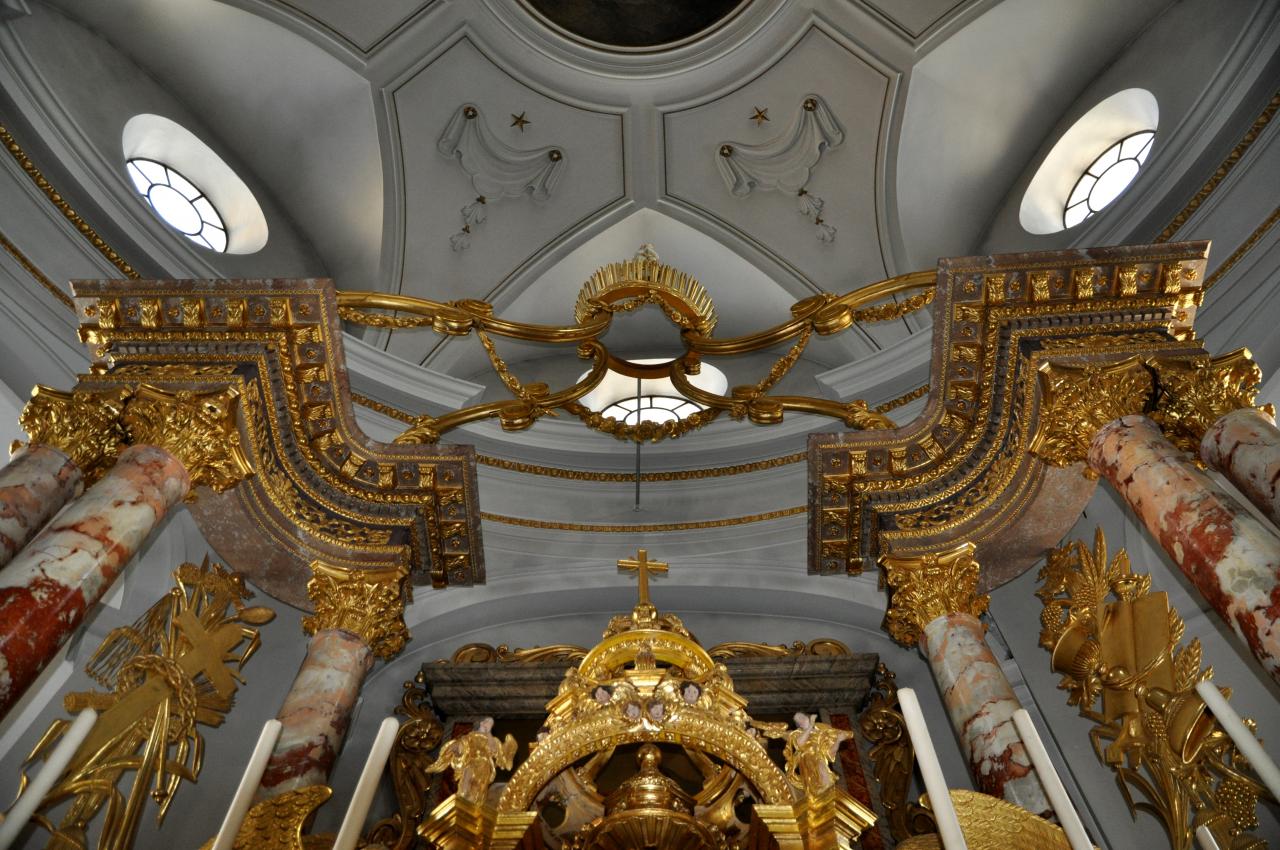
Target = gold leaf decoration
(1197,392)
(1076,401)
(367,603)
(926,587)
(83,424)
(1117,645)
(201,429)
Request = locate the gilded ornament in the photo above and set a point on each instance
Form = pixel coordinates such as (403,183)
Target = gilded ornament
(83,424)
(418,736)
(989,823)
(177,667)
(1196,392)
(201,429)
(893,758)
(1076,401)
(629,284)
(474,760)
(366,603)
(276,823)
(810,751)
(926,587)
(1119,644)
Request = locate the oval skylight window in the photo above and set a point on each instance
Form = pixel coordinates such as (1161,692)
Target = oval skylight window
(179,202)
(1092,163)
(1106,177)
(190,188)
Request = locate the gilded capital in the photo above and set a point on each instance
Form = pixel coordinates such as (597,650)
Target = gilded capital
(926,587)
(83,424)
(1076,401)
(201,429)
(367,603)
(1197,392)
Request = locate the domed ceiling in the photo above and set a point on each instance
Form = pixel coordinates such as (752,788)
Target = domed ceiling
(339,116)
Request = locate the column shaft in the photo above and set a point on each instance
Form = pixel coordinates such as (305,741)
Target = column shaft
(1244,445)
(981,704)
(47,590)
(1230,556)
(317,711)
(34,485)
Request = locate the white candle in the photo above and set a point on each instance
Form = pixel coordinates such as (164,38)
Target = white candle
(934,782)
(57,762)
(243,799)
(1206,840)
(362,797)
(1245,742)
(1049,778)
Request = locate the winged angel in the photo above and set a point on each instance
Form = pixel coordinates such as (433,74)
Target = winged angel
(163,675)
(474,759)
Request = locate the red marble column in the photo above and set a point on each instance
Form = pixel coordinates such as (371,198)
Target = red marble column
(34,485)
(981,704)
(1230,556)
(48,588)
(1244,445)
(317,711)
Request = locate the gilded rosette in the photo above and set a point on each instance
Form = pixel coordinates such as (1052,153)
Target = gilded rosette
(926,587)
(366,603)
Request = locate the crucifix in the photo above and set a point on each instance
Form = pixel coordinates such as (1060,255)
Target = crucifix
(642,565)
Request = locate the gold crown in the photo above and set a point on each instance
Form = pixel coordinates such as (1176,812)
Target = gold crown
(629,284)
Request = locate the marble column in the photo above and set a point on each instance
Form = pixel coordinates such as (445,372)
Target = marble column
(48,588)
(34,485)
(1244,445)
(1231,557)
(359,615)
(935,605)
(317,711)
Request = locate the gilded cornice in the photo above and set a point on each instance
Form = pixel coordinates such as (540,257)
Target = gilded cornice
(366,603)
(1198,391)
(201,429)
(85,425)
(963,469)
(926,587)
(321,488)
(1076,401)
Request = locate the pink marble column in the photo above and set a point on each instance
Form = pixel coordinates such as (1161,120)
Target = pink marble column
(1244,445)
(981,704)
(36,482)
(48,588)
(1230,556)
(317,711)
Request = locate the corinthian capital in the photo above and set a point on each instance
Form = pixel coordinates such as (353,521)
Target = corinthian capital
(1076,401)
(367,603)
(926,587)
(200,429)
(1196,393)
(85,425)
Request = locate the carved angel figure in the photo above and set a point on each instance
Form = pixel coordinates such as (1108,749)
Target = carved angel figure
(474,759)
(811,748)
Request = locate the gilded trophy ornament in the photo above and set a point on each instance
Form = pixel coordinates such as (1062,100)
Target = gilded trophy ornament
(1119,648)
(926,587)
(367,603)
(175,669)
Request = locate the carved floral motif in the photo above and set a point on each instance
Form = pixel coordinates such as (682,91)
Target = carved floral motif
(201,429)
(82,424)
(367,603)
(1076,401)
(926,587)
(1197,392)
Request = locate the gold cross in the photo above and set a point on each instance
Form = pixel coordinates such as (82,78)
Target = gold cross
(642,565)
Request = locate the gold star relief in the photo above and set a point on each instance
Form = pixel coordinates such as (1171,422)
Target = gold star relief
(760,115)
(519,121)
